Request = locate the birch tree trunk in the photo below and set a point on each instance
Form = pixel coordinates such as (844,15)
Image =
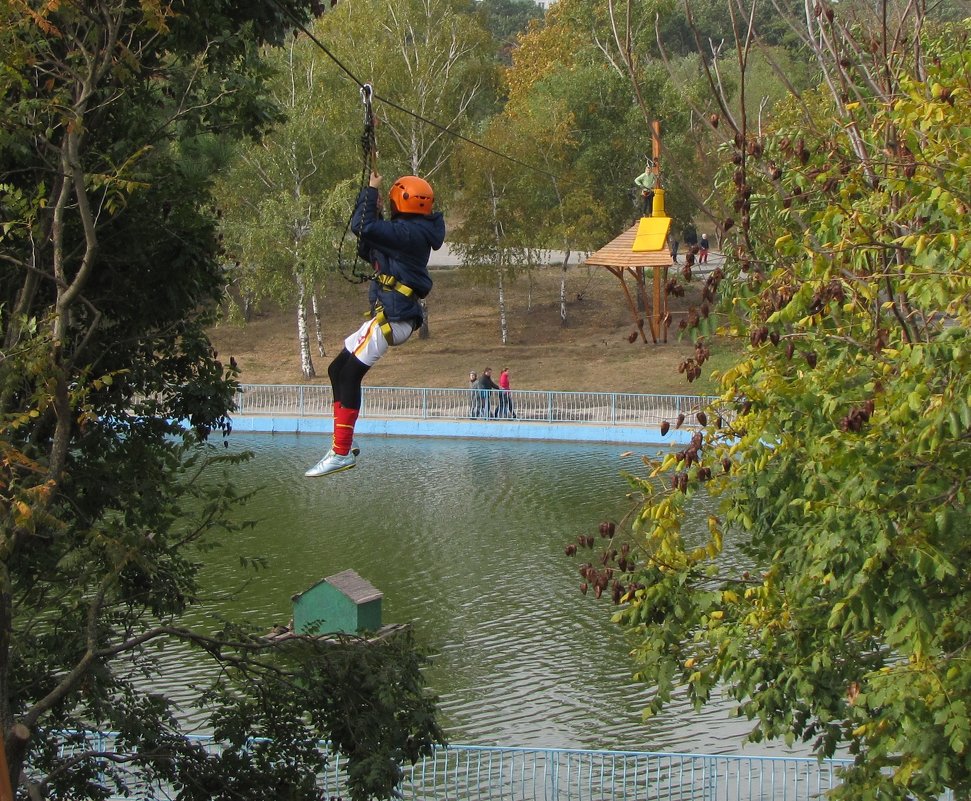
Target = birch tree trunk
(500,255)
(318,328)
(306,358)
(566,264)
(503,326)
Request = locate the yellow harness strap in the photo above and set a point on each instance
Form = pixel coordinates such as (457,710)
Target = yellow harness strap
(390,282)
(383,324)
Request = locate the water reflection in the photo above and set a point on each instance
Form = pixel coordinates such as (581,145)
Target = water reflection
(465,539)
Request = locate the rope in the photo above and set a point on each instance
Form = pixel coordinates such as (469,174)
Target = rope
(359,270)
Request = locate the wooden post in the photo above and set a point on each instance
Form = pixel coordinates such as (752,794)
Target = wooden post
(6,791)
(19,735)
(656,150)
(638,320)
(651,310)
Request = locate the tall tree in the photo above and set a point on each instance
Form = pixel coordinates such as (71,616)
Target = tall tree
(432,59)
(576,137)
(111,270)
(506,19)
(839,451)
(285,198)
(432,62)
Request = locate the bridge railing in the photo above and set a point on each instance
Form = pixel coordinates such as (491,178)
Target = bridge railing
(600,408)
(477,773)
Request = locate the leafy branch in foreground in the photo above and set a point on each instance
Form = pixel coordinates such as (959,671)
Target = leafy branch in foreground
(838,452)
(114,117)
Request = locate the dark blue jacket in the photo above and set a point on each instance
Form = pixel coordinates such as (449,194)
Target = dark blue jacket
(398,247)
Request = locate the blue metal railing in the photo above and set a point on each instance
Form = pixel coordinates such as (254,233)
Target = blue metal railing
(475,773)
(600,408)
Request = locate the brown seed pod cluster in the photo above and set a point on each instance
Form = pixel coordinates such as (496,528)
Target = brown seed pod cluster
(833,292)
(759,335)
(690,369)
(674,288)
(615,570)
(702,352)
(691,456)
(858,417)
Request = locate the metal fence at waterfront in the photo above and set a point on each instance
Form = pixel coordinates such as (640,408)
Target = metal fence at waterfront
(476,773)
(601,408)
(514,774)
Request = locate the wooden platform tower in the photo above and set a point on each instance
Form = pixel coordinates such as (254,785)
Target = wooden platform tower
(644,247)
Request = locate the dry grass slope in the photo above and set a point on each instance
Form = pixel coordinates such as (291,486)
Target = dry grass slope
(590,353)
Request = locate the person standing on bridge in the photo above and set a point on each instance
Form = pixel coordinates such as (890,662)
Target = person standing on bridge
(474,403)
(505,396)
(398,249)
(486,386)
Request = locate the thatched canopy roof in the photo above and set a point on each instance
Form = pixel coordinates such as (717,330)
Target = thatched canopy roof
(619,253)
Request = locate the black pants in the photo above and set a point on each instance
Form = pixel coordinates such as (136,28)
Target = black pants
(346,375)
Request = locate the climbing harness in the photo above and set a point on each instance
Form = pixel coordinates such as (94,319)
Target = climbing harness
(384,324)
(390,282)
(359,271)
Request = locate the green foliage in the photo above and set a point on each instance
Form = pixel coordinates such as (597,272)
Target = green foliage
(839,450)
(431,58)
(368,696)
(115,116)
(286,198)
(570,115)
(505,19)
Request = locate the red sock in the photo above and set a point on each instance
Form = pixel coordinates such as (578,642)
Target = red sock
(344,420)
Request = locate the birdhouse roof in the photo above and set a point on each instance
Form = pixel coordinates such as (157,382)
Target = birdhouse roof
(619,252)
(354,587)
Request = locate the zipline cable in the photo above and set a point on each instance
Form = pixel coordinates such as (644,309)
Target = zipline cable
(303,28)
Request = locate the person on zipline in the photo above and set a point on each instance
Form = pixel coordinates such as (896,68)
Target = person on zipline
(398,249)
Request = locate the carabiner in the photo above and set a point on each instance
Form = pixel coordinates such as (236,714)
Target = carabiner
(366,92)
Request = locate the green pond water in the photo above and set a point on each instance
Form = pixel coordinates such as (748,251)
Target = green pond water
(466,541)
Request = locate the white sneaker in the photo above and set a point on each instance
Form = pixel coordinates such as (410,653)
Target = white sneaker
(355,449)
(332,463)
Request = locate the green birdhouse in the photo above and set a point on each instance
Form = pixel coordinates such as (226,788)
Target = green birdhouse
(343,603)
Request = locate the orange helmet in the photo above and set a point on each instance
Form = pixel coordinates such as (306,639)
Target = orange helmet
(412,195)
